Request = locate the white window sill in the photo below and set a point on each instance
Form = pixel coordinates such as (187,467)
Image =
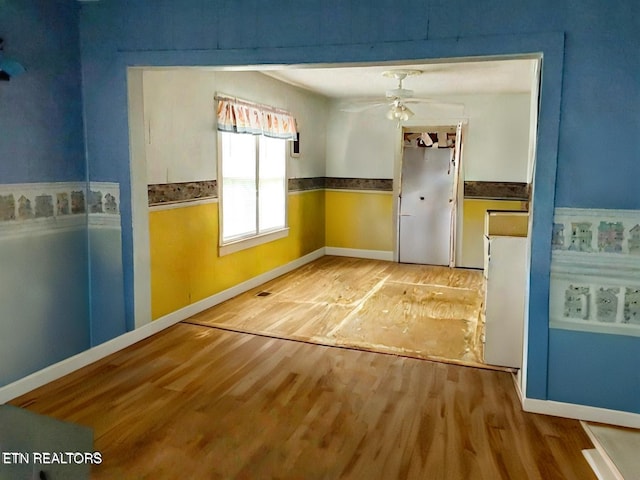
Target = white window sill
(251,242)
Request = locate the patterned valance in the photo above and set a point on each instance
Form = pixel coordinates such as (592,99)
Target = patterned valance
(240,116)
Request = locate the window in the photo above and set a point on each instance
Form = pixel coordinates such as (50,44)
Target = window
(253,188)
(252,172)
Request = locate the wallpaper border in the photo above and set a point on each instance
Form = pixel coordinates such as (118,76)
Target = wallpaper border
(165,193)
(497,190)
(38,208)
(595,271)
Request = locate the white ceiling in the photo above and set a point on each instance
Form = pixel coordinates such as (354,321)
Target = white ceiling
(437,79)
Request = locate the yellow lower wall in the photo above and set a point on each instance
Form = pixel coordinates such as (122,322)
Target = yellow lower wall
(474,211)
(364,220)
(186,268)
(360,220)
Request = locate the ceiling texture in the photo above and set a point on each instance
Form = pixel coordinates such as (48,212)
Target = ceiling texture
(436,79)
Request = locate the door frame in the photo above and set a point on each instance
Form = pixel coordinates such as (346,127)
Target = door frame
(545,151)
(449,123)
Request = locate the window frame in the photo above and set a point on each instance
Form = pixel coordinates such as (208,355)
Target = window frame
(235,245)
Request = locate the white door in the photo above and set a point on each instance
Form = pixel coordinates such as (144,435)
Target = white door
(426,205)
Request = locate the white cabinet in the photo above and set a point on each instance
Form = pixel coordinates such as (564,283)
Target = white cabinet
(505,270)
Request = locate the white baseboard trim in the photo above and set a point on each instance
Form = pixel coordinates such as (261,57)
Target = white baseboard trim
(82,359)
(358,253)
(582,412)
(516,385)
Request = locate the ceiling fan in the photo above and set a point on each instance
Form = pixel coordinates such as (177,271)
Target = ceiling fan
(396,99)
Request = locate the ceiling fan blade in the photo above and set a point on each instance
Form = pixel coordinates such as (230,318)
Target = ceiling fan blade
(361,106)
(433,101)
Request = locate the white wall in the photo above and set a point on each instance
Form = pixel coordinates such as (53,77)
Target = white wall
(360,145)
(179,116)
(496,145)
(497,142)
(181,142)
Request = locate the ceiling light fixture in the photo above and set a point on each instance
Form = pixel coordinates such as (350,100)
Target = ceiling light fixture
(397,99)
(399,112)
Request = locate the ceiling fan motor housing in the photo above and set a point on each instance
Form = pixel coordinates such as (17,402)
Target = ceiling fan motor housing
(400,75)
(399,93)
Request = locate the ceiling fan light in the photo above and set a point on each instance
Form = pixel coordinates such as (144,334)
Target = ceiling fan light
(399,112)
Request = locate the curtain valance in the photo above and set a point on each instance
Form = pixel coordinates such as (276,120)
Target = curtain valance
(241,116)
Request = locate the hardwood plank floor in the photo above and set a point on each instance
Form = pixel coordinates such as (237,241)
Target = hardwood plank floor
(199,402)
(420,311)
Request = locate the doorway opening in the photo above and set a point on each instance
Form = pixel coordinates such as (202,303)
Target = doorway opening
(428,203)
(354,152)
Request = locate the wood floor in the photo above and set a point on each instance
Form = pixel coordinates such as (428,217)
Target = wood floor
(200,402)
(419,311)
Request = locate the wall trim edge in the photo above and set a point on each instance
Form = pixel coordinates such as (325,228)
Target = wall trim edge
(582,412)
(87,357)
(156,207)
(351,190)
(359,253)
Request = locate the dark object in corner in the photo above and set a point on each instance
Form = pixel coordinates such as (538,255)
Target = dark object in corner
(8,67)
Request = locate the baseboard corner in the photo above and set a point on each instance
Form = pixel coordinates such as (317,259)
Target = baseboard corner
(582,412)
(386,255)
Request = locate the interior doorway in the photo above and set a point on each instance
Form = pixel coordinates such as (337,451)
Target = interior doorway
(472,153)
(428,197)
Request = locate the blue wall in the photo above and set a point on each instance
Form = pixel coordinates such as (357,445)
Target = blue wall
(107,300)
(41,131)
(595,376)
(43,272)
(588,121)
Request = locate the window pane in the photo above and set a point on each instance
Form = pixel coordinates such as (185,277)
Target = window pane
(238,185)
(272,186)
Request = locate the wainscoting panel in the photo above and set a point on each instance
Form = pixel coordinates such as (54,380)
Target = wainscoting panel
(595,271)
